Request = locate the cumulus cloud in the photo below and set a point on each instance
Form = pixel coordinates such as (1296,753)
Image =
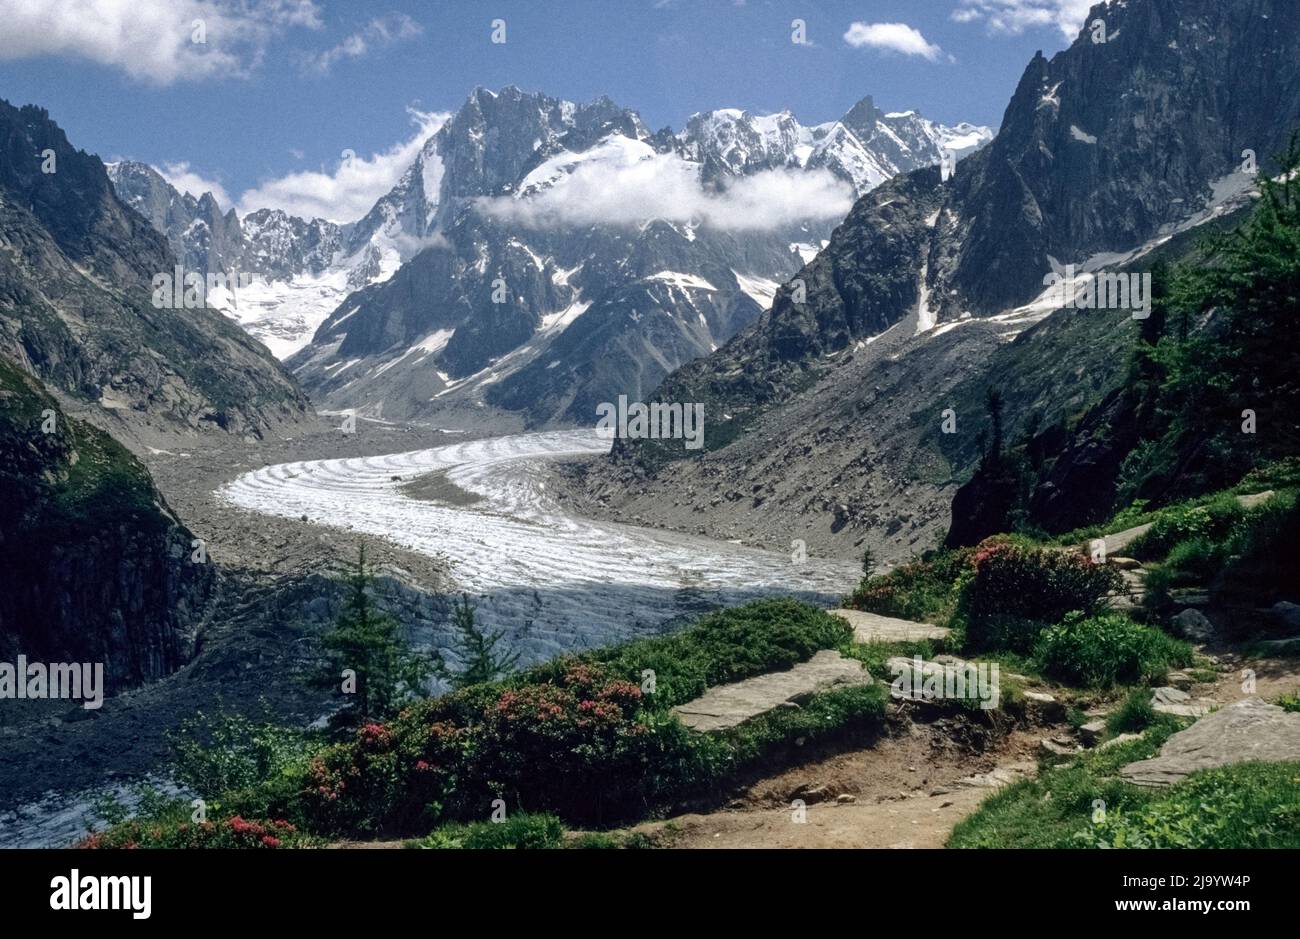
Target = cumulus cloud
(185,179)
(892,37)
(379,32)
(350,190)
(1013,17)
(663,186)
(153,41)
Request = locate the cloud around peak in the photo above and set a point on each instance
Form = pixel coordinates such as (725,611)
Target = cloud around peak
(351,189)
(630,193)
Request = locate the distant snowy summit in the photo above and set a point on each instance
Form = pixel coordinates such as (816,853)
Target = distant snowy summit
(580,209)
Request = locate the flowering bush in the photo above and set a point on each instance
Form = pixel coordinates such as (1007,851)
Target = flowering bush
(581,746)
(234,832)
(1013,590)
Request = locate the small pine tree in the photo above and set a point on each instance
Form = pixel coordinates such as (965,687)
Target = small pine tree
(369,642)
(868,563)
(476,647)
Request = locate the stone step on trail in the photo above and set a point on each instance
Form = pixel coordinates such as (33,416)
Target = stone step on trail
(1118,541)
(1248,730)
(728,705)
(872,627)
(1175,701)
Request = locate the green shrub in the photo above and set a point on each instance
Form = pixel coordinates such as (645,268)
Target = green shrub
(522,831)
(1135,715)
(1197,560)
(1101,651)
(1211,521)
(1265,551)
(591,739)
(1246,805)
(216,754)
(724,646)
(1013,590)
(922,590)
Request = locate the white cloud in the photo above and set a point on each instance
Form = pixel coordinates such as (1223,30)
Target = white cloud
(893,37)
(185,179)
(349,192)
(1013,17)
(153,40)
(664,186)
(379,32)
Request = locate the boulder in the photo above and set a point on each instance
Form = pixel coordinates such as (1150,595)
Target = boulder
(1116,741)
(1286,614)
(1194,625)
(1175,701)
(1091,732)
(872,627)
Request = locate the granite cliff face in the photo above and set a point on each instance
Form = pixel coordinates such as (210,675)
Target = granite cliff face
(76,300)
(94,567)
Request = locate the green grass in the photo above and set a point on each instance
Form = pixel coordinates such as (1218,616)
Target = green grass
(1047,812)
(1134,715)
(722,647)
(522,831)
(1289,702)
(1247,805)
(1084,804)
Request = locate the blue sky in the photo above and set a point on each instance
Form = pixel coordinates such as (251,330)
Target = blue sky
(281,87)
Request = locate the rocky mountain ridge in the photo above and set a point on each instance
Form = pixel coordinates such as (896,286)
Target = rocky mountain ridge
(79,308)
(519,304)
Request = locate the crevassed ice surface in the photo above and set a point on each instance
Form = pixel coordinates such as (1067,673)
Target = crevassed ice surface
(552,581)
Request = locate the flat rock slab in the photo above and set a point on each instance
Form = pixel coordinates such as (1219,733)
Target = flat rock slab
(1255,498)
(1247,730)
(872,627)
(1122,539)
(1170,700)
(728,705)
